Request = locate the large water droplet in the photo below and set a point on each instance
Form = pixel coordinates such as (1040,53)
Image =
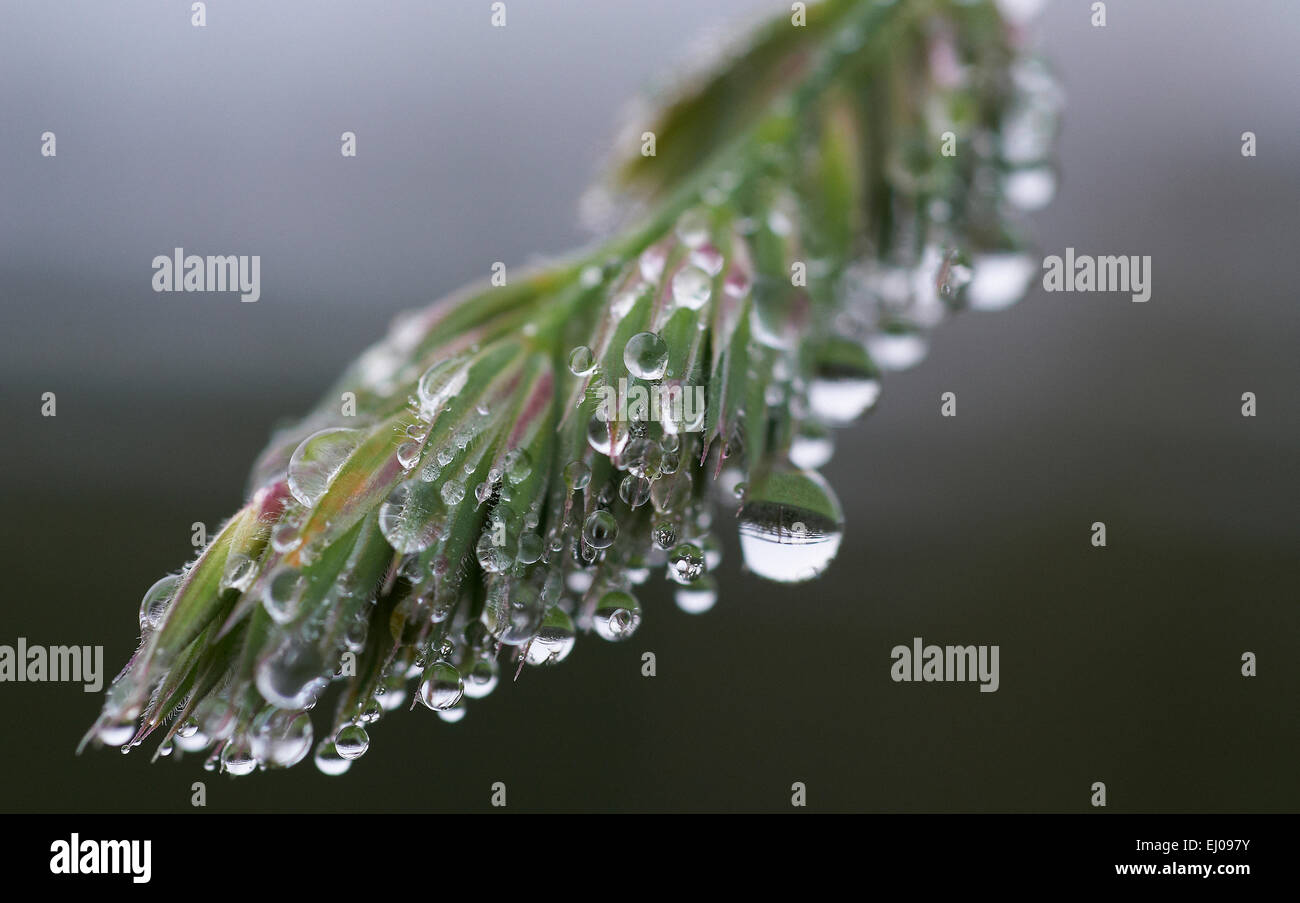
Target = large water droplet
(282,594)
(328,761)
(554,640)
(318,459)
(577,474)
(845,383)
(686,563)
(352,741)
(692,288)
(512,613)
(617,616)
(693,228)
(600,530)
(439,384)
(153,606)
(292,676)
(646,355)
(441,686)
(237,758)
(790,526)
(698,597)
(606,437)
(581,361)
(281,739)
(408,519)
(999,280)
(812,446)
(481,679)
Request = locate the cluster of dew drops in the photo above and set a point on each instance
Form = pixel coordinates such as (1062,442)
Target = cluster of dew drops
(887,309)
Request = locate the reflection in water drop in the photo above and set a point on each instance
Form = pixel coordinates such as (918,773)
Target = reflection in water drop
(999,280)
(317,460)
(791,526)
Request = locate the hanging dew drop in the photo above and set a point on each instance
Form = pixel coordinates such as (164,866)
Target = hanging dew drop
(686,563)
(698,597)
(634,491)
(481,679)
(237,758)
(600,530)
(351,742)
(606,438)
(530,548)
(153,606)
(665,535)
(328,761)
(790,526)
(692,288)
(512,613)
(646,356)
(999,280)
(554,640)
(581,361)
(812,446)
(491,557)
(292,676)
(441,686)
(317,460)
(845,383)
(617,616)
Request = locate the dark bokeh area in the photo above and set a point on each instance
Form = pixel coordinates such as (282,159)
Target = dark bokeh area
(1119,664)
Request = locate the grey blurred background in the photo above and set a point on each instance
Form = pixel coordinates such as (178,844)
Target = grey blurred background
(474,144)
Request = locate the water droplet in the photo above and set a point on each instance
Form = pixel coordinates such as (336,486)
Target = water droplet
(554,640)
(530,548)
(709,259)
(581,361)
(845,383)
(453,492)
(317,460)
(812,446)
(790,526)
(518,465)
(328,761)
(692,288)
(281,739)
(513,612)
(646,355)
(577,474)
(239,572)
(292,676)
(698,597)
(441,686)
(481,679)
(285,537)
(686,563)
(153,606)
(439,384)
(352,741)
(408,454)
(606,438)
(999,280)
(282,594)
(408,519)
(651,262)
(665,535)
(617,616)
(491,557)
(693,228)
(897,348)
(634,491)
(600,530)
(237,758)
